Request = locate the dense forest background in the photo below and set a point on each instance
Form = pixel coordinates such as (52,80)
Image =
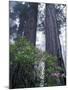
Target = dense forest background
(37,44)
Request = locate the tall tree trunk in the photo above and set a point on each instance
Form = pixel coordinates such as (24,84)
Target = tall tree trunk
(30,23)
(52,36)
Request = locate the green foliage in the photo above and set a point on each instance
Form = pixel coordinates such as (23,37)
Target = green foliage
(23,57)
(52,64)
(53,72)
(22,51)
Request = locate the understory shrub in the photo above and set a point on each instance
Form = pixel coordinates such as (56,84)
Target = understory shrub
(24,57)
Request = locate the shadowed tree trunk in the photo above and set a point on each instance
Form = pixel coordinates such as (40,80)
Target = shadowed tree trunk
(28,24)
